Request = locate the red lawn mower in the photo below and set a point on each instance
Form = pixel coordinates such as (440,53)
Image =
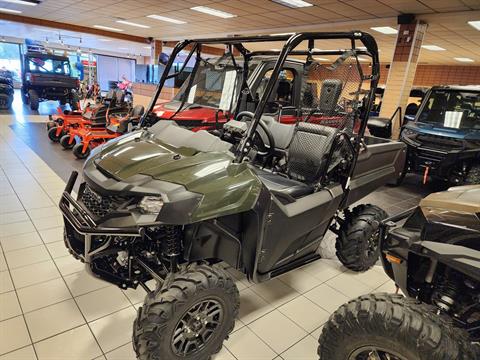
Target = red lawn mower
(90,137)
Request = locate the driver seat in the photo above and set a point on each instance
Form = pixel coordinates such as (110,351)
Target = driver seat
(306,161)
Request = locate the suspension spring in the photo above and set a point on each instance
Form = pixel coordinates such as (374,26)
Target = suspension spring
(445,295)
(171,241)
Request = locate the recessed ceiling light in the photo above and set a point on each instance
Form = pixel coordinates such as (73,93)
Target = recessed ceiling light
(105,40)
(275,50)
(293,3)
(214,12)
(133,24)
(107,28)
(475,24)
(10,11)
(433,47)
(23,2)
(282,34)
(321,59)
(464,59)
(385,30)
(167,19)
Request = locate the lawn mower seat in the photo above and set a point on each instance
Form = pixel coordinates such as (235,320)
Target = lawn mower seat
(132,118)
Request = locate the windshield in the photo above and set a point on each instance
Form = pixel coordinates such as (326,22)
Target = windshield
(49,66)
(214,84)
(455,109)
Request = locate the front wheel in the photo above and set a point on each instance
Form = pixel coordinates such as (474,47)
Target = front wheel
(78,151)
(65,142)
(359,237)
(388,326)
(34,100)
(473,176)
(52,134)
(189,317)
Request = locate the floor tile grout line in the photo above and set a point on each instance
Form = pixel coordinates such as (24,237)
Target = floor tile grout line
(15,287)
(61,275)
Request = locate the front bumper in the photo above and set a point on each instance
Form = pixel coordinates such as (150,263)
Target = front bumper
(82,235)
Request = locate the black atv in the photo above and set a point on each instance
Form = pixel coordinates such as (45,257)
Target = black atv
(170,204)
(434,258)
(6,89)
(48,77)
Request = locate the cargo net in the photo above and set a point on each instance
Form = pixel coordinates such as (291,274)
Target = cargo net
(331,93)
(213,82)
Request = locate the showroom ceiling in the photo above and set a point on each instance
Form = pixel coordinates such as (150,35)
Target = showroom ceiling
(450,32)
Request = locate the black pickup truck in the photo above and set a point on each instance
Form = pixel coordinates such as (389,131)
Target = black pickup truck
(48,77)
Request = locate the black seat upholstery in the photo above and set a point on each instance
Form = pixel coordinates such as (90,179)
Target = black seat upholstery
(308,151)
(307,158)
(283,185)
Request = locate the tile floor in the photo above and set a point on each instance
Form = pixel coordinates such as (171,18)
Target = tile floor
(50,308)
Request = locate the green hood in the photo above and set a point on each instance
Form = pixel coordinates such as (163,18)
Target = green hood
(227,187)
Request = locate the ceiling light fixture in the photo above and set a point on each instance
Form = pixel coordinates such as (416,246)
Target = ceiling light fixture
(362,59)
(107,28)
(464,59)
(167,19)
(23,2)
(105,40)
(321,59)
(214,12)
(475,24)
(385,30)
(282,34)
(11,11)
(133,24)
(147,47)
(293,3)
(433,47)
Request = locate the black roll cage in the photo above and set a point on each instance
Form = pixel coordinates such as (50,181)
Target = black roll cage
(291,42)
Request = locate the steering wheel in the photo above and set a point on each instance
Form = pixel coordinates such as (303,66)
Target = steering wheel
(258,140)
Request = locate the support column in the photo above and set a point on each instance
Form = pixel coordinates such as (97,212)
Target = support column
(156,50)
(402,72)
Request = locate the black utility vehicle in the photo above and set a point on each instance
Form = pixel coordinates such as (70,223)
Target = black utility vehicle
(434,258)
(443,141)
(6,89)
(169,204)
(48,77)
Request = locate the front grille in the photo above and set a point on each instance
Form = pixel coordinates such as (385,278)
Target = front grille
(100,205)
(439,142)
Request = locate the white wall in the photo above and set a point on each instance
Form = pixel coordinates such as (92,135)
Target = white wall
(111,68)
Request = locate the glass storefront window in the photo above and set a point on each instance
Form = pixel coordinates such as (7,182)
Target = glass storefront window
(10,59)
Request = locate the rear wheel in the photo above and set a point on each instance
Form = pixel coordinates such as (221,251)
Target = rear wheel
(388,326)
(473,176)
(78,151)
(189,317)
(358,240)
(65,142)
(34,100)
(52,134)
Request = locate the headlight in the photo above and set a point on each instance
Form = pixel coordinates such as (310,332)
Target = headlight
(151,204)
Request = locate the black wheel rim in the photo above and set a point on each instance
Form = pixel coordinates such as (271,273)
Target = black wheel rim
(197,327)
(372,244)
(375,353)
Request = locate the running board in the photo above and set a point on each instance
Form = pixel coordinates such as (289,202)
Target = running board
(294,264)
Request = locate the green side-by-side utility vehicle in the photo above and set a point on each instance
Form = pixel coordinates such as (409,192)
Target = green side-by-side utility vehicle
(170,204)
